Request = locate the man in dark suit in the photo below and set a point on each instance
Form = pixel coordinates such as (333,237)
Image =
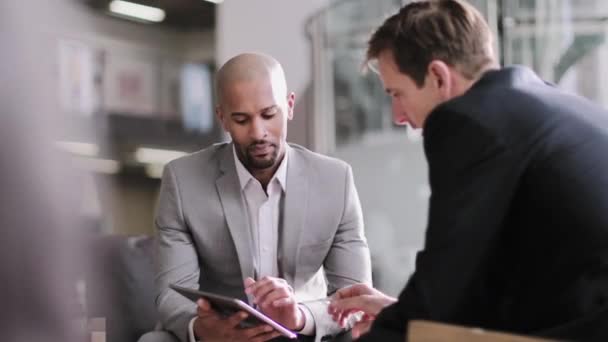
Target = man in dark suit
(517,236)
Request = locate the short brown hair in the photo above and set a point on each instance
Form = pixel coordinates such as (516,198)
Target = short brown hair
(448,30)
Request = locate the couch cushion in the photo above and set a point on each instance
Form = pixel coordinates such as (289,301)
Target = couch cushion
(120,285)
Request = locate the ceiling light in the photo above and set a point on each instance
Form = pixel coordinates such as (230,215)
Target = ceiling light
(137,11)
(215,1)
(79,148)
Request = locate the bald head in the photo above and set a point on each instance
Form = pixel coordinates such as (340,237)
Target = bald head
(250,67)
(254,107)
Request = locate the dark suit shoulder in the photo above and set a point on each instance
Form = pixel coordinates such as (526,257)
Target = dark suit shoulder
(516,95)
(526,115)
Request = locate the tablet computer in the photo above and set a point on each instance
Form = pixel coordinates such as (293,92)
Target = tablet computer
(227,306)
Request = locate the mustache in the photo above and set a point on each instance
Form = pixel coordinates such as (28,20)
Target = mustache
(260,142)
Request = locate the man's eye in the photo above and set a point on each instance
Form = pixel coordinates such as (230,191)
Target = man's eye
(240,121)
(269,114)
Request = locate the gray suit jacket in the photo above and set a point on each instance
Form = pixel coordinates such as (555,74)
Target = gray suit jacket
(204,236)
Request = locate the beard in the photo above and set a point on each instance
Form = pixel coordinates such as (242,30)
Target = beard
(252,161)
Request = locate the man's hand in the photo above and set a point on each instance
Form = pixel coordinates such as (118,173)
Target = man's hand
(358,298)
(209,326)
(276,299)
(362,326)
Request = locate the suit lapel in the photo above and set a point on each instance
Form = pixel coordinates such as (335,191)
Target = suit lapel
(294,214)
(229,190)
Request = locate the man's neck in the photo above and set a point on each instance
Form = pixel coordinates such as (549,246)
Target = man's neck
(462,85)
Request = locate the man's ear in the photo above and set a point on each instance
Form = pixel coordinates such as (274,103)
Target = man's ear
(219,114)
(440,76)
(291,103)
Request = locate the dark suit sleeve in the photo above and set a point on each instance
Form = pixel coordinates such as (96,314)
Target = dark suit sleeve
(473,175)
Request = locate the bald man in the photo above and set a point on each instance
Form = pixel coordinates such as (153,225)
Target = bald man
(258,219)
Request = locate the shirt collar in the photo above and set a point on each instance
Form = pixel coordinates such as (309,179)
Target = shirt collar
(245,176)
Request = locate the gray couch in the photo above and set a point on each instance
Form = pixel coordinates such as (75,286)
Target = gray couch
(120,285)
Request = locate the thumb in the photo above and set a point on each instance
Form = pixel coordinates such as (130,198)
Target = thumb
(203,305)
(365,303)
(350,303)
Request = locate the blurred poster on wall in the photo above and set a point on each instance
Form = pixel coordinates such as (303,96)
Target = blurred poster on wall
(170,78)
(196,97)
(130,85)
(77,74)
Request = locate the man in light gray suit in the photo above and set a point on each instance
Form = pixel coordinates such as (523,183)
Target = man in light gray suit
(258,219)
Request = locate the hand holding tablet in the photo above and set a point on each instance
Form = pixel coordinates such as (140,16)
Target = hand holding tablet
(232,309)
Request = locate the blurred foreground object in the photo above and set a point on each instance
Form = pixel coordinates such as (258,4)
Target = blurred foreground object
(36,201)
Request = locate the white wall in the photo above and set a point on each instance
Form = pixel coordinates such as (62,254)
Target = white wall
(277,28)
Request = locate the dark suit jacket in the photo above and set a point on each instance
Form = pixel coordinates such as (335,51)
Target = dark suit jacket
(517,237)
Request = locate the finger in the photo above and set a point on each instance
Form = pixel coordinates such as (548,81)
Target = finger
(249,282)
(284,302)
(274,294)
(203,309)
(203,304)
(264,282)
(339,309)
(363,303)
(260,292)
(208,315)
(344,315)
(250,333)
(360,329)
(336,315)
(343,319)
(342,293)
(250,286)
(236,319)
(334,310)
(346,292)
(354,291)
(207,321)
(355,332)
(351,315)
(367,317)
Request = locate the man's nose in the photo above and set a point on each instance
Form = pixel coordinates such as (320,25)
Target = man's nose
(258,129)
(399,116)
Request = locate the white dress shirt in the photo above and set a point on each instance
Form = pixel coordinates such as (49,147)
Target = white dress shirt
(263,209)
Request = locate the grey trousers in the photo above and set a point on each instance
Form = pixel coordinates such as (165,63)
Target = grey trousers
(158,336)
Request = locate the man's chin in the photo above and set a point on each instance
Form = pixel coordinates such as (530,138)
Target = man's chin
(261,163)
